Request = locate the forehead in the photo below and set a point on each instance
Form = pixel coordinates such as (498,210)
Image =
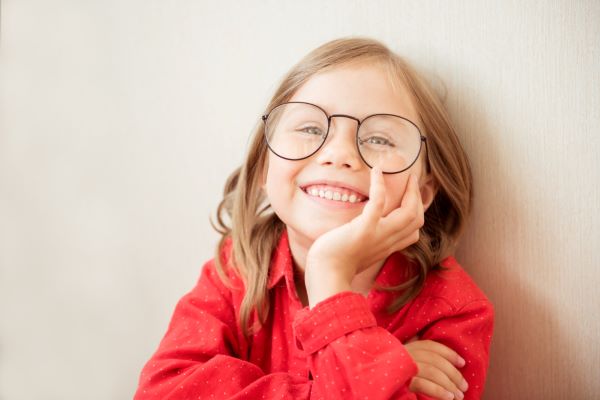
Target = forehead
(357,90)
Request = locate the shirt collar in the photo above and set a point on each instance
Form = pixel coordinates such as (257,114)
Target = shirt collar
(281,262)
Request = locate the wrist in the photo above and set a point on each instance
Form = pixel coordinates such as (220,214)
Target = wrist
(324,283)
(332,268)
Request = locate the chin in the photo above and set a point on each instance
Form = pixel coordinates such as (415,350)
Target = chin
(314,232)
(311,227)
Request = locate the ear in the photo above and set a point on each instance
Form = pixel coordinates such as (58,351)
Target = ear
(428,188)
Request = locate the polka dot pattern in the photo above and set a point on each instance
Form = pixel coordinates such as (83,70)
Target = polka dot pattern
(346,347)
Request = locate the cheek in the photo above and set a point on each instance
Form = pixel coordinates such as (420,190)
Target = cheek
(280,178)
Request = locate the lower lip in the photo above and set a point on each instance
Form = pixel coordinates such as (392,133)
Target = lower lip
(334,203)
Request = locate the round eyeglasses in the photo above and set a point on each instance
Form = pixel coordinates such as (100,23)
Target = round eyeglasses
(297,130)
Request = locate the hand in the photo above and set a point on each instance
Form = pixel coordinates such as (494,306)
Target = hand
(338,255)
(438,375)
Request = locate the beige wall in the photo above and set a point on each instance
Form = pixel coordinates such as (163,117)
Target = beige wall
(120,120)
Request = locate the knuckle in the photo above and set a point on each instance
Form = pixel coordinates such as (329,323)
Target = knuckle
(415,237)
(415,214)
(426,369)
(456,378)
(416,385)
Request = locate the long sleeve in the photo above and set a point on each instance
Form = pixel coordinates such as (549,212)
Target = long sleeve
(468,331)
(349,356)
(198,356)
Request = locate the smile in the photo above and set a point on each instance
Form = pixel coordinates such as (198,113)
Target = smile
(334,193)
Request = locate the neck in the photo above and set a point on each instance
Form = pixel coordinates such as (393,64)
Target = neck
(299,246)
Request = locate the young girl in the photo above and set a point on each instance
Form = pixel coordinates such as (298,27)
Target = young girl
(334,279)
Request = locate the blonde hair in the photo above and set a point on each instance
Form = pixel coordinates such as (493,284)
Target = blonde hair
(255,229)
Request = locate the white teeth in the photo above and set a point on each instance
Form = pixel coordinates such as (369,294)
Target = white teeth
(333,195)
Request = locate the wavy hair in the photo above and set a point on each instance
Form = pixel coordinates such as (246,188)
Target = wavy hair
(254,229)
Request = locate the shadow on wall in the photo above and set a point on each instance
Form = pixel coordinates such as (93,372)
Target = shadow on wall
(532,355)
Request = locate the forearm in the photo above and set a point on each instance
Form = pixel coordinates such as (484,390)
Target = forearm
(222,377)
(350,357)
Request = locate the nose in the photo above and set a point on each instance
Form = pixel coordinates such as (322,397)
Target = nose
(340,148)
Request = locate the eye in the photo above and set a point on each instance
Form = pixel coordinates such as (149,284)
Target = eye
(377,140)
(312,130)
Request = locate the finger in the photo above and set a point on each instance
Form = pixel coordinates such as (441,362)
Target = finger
(430,389)
(399,233)
(408,214)
(433,374)
(404,241)
(411,193)
(419,216)
(421,206)
(374,207)
(442,350)
(443,365)
(401,226)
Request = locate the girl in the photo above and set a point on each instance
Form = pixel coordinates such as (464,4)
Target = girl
(334,279)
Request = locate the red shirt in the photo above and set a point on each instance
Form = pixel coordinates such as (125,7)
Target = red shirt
(346,347)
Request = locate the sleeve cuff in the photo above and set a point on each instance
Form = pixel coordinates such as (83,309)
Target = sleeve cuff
(330,319)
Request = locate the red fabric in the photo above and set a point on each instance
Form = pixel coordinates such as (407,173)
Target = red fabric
(346,347)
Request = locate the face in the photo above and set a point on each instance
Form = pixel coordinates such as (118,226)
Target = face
(294,187)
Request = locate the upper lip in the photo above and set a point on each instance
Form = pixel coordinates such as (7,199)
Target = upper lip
(338,184)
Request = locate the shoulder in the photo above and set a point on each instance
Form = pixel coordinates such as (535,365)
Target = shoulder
(450,309)
(227,277)
(453,285)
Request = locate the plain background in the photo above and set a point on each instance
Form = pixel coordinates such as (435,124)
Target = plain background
(120,121)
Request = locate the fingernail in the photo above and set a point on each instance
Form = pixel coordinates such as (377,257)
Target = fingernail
(460,396)
(464,386)
(461,361)
(449,395)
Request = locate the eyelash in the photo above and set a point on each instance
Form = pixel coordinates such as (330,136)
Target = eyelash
(387,142)
(311,127)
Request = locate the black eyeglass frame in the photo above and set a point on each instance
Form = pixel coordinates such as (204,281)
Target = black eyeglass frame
(423,139)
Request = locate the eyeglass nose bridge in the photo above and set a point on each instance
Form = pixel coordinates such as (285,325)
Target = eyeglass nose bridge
(329,117)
